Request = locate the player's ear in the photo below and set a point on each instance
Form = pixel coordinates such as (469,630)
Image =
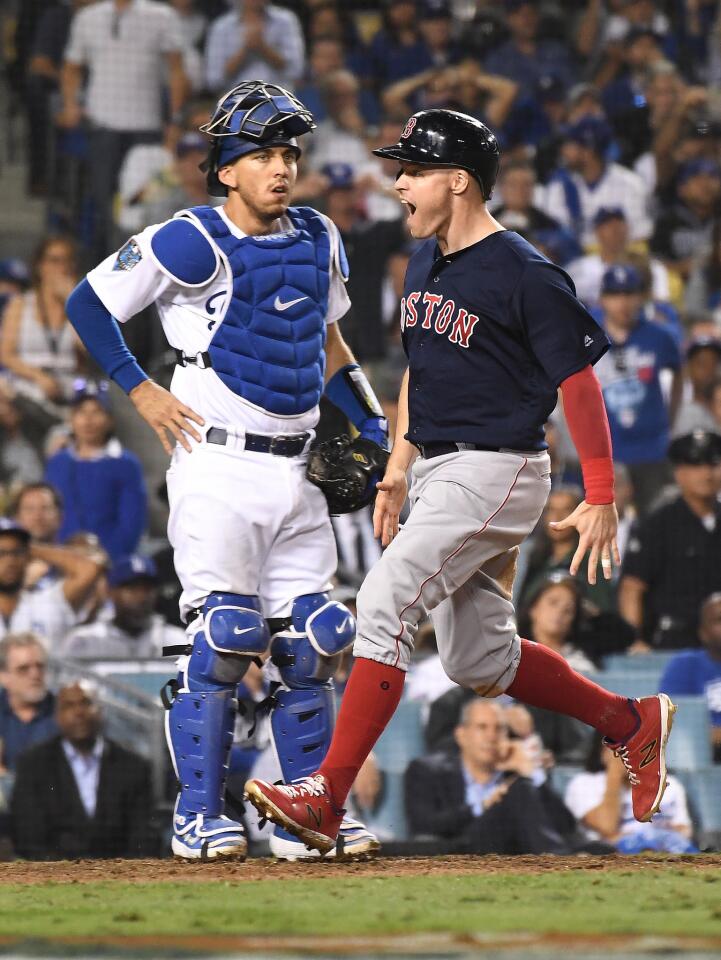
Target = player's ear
(460,182)
(226,175)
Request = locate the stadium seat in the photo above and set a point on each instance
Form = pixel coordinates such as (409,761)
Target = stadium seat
(629,683)
(401,742)
(654,662)
(562,775)
(690,745)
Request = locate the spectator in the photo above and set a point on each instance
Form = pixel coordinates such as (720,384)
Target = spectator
(623,488)
(641,52)
(524,58)
(368,246)
(673,558)
(101,484)
(342,133)
(42,85)
(397,49)
(135,630)
(552,551)
(703,368)
(551,617)
(81,794)
(697,673)
(517,186)
(465,87)
(435,23)
(642,134)
(49,610)
(193,25)
(124,47)
(14,279)
(19,461)
(600,799)
(630,377)
(612,242)
(685,228)
(702,294)
(589,182)
(38,508)
(39,347)
(481,800)
(26,705)
(255,41)
(659,311)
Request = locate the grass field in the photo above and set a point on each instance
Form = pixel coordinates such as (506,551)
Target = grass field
(206,904)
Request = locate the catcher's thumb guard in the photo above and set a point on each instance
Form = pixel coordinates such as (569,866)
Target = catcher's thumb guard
(347,471)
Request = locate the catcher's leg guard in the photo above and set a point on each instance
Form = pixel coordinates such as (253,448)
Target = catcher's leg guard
(200,720)
(306,650)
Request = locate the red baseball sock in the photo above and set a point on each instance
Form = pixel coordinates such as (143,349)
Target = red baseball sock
(544,679)
(370,700)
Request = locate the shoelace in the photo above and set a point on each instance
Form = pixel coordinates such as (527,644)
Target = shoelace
(622,754)
(305,787)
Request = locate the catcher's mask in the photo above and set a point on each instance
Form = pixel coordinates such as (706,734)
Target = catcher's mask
(249,117)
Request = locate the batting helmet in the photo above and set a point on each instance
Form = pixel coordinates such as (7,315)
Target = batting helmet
(446,138)
(249,117)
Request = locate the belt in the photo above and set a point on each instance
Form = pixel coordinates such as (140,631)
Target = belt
(288,445)
(429,450)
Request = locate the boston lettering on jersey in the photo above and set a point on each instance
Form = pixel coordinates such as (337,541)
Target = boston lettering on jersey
(490,332)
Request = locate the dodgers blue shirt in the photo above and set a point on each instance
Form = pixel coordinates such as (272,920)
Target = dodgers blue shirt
(629,375)
(694,673)
(490,332)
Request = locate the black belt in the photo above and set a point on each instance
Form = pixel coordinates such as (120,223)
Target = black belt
(288,445)
(429,450)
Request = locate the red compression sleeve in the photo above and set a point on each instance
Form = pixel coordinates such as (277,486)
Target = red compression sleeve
(588,424)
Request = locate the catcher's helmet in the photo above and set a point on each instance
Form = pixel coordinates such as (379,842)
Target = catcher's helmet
(446,138)
(250,116)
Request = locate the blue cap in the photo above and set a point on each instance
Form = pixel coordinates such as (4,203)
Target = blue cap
(604,214)
(7,525)
(191,142)
(434,10)
(341,175)
(621,279)
(15,271)
(133,567)
(695,168)
(550,87)
(591,131)
(91,390)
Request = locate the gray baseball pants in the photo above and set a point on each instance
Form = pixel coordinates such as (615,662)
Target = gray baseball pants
(470,511)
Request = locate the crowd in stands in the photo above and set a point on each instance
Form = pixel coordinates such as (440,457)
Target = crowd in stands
(609,117)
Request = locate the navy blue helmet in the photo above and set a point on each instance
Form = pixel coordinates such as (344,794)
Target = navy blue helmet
(249,117)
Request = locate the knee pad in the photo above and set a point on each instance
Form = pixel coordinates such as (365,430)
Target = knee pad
(306,652)
(232,631)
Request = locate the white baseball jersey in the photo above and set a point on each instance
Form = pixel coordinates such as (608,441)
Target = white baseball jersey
(190,316)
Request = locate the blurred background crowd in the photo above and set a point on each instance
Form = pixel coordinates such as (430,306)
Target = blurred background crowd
(609,117)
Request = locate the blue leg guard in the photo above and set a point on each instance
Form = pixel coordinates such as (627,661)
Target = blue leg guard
(303,717)
(200,721)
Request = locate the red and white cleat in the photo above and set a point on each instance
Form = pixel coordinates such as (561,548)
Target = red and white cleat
(304,808)
(644,754)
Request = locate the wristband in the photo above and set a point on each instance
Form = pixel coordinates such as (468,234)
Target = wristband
(349,390)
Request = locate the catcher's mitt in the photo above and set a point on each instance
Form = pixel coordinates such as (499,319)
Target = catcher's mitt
(347,471)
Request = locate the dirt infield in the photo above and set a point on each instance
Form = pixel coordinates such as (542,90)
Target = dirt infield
(149,871)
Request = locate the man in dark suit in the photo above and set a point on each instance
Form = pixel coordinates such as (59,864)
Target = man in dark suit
(80,794)
(482,799)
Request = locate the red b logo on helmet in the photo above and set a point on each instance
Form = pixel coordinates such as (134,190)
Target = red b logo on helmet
(408,129)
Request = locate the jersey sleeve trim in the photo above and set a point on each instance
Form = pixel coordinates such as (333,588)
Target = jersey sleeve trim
(181,250)
(338,257)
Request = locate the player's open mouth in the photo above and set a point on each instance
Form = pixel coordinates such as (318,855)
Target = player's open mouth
(411,207)
(280,189)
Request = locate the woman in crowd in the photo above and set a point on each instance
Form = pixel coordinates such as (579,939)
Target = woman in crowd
(600,799)
(552,617)
(39,347)
(101,484)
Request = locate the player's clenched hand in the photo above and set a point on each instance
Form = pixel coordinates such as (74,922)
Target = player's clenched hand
(392,493)
(165,414)
(597,525)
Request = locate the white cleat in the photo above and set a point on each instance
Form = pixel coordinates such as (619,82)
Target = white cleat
(355,842)
(198,837)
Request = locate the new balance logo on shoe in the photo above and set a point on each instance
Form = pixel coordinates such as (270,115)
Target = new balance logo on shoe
(649,753)
(317,817)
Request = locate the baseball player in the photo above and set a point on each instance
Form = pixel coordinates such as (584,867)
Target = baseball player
(491,329)
(249,295)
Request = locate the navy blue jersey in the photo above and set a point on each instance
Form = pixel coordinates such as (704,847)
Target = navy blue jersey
(490,332)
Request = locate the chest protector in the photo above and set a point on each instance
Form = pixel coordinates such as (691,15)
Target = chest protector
(268,347)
